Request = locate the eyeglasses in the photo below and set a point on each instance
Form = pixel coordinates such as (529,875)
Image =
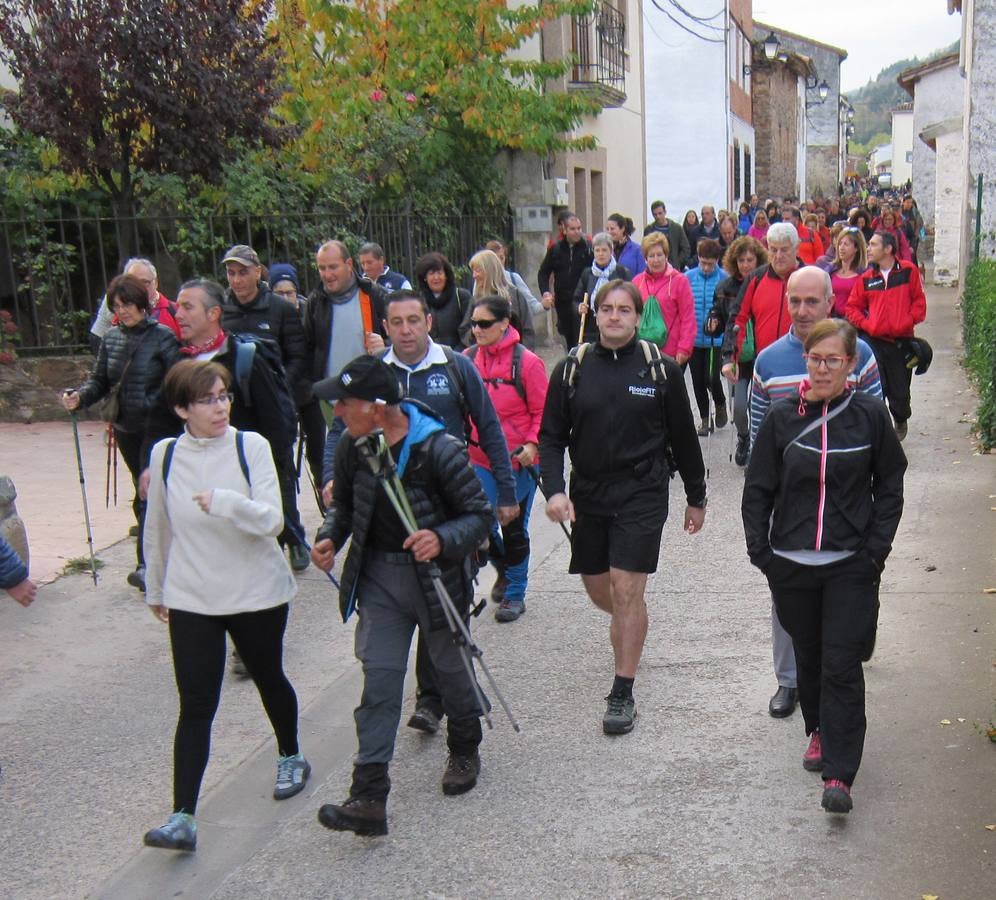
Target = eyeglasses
(117,307)
(483,324)
(211,400)
(830,363)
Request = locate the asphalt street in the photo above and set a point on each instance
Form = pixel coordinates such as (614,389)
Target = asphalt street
(706,798)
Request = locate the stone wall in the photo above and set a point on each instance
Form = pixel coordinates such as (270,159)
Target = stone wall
(938,95)
(775,131)
(981,129)
(821,171)
(947,205)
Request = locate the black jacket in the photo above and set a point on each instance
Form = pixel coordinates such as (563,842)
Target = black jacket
(566,262)
(153,349)
(318,324)
(616,425)
(585,284)
(449,311)
(266,416)
(859,502)
(273,318)
(445,496)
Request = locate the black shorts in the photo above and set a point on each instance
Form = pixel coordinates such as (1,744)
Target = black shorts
(629,540)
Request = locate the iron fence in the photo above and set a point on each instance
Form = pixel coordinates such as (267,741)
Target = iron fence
(53,271)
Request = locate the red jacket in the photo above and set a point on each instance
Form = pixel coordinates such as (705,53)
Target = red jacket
(764,302)
(810,246)
(674,295)
(887,311)
(520,418)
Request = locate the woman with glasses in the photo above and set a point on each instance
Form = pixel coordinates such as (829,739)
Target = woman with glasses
(850,262)
(489,280)
(516,382)
(215,569)
(822,500)
(133,360)
(603,269)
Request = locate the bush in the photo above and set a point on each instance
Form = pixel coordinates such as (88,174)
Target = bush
(979,331)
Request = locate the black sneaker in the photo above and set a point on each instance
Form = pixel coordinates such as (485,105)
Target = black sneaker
(836,796)
(721,417)
(742,455)
(299,558)
(461,773)
(498,591)
(239,669)
(179,833)
(620,715)
(901,430)
(703,429)
(367,818)
(137,578)
(424,719)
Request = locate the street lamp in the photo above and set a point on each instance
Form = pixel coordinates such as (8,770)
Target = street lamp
(770,46)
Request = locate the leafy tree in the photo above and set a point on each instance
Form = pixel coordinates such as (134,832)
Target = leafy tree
(124,87)
(416,96)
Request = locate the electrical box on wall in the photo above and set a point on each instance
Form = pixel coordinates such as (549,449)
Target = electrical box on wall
(533,219)
(555,191)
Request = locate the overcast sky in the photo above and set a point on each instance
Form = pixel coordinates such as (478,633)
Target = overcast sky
(874,33)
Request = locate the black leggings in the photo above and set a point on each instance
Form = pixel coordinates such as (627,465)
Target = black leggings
(198,645)
(130,447)
(702,383)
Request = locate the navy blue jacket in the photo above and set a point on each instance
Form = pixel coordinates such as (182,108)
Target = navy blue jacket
(12,570)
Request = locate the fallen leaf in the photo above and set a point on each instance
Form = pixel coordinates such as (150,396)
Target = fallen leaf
(945,721)
(991,828)
(930,568)
(928,897)
(960,719)
(957,462)
(989,591)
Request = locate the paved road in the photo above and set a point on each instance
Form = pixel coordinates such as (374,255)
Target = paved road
(706,798)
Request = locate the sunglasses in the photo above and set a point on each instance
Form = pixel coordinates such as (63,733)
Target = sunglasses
(482,323)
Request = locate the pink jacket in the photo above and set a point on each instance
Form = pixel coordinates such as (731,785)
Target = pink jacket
(520,419)
(674,294)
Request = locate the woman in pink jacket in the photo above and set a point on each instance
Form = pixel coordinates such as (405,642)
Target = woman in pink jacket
(674,295)
(516,381)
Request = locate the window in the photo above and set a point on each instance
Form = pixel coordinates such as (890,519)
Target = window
(736,171)
(748,181)
(909,156)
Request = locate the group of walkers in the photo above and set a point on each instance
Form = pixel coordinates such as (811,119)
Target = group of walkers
(429,424)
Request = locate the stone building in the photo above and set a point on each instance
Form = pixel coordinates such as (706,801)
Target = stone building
(821,105)
(936,89)
(779,97)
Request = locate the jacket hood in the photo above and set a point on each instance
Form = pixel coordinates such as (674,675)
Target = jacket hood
(422,422)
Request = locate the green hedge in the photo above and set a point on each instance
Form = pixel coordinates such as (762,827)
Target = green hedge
(979,329)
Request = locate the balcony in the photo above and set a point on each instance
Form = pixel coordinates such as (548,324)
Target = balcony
(598,42)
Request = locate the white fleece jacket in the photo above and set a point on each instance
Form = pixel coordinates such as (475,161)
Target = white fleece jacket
(227,560)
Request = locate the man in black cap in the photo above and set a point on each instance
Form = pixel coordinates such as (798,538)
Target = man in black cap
(252,308)
(383,581)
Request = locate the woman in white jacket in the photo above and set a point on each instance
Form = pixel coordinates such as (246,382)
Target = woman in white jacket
(213,567)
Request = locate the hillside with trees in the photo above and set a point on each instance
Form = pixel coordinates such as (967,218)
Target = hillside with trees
(873,102)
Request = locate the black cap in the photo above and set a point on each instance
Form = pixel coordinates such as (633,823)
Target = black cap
(365,378)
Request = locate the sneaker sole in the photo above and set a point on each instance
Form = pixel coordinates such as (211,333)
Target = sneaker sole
(837,803)
(422,724)
(295,789)
(183,846)
(335,821)
(454,790)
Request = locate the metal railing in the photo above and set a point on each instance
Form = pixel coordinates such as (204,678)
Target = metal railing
(598,41)
(53,271)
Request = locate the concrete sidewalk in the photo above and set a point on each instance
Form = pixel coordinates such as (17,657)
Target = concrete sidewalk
(706,798)
(41,460)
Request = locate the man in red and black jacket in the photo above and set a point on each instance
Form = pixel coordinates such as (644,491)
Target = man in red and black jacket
(885,305)
(810,246)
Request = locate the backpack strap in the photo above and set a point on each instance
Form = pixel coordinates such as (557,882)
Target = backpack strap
(575,356)
(240,449)
(459,382)
(245,353)
(516,374)
(655,363)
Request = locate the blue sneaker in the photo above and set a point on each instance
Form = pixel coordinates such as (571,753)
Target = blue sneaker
(510,610)
(179,833)
(292,775)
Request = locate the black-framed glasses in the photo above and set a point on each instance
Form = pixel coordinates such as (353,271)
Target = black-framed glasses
(483,324)
(212,400)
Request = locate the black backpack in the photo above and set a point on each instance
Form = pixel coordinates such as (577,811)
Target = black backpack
(246,346)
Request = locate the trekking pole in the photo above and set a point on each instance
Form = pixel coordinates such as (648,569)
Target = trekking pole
(86,509)
(304,543)
(300,454)
(107,476)
(316,492)
(584,316)
(114,456)
(711,416)
(535,477)
(374,450)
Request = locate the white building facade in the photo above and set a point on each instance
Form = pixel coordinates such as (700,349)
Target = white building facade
(699,145)
(902,145)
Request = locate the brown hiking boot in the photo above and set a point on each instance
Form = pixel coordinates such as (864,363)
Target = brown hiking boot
(461,773)
(367,818)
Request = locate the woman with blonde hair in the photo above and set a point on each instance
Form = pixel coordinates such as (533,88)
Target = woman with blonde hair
(759,230)
(490,280)
(673,293)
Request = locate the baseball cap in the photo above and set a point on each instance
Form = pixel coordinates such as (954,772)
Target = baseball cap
(364,378)
(242,254)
